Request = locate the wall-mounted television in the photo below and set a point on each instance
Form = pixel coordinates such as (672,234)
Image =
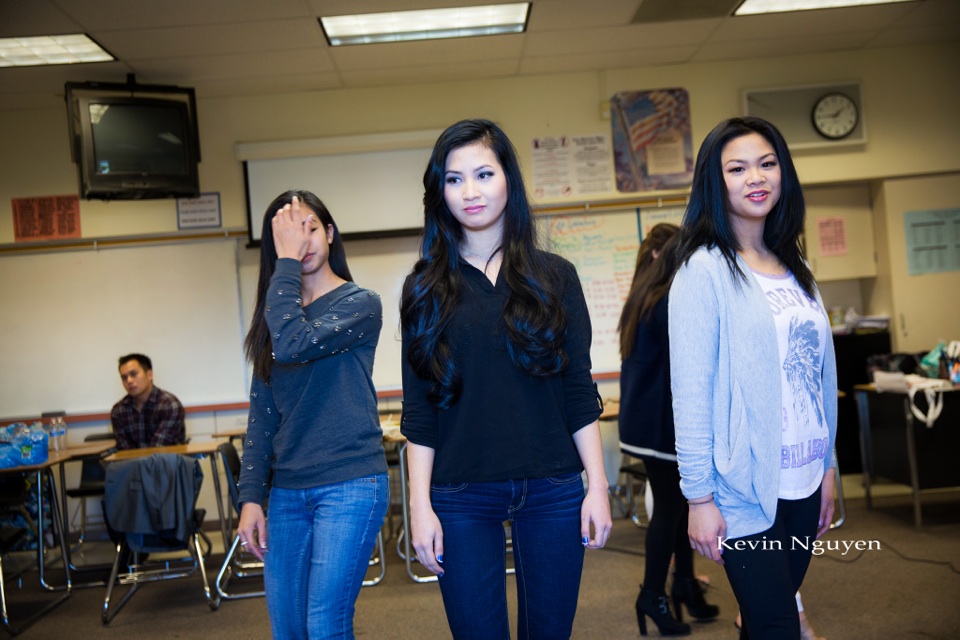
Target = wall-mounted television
(130,146)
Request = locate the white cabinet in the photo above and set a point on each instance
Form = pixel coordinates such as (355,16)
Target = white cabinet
(839,232)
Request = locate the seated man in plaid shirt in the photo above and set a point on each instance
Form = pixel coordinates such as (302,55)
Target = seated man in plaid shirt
(147,416)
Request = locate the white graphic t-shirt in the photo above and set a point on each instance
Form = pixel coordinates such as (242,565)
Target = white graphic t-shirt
(801,334)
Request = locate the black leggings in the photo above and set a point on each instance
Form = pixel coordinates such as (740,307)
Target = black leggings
(667,532)
(765,579)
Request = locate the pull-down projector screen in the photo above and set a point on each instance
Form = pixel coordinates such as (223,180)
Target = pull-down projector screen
(372,185)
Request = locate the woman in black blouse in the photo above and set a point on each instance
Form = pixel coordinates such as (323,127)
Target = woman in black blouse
(499,406)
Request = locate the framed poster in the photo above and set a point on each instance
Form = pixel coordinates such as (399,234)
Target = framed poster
(652,140)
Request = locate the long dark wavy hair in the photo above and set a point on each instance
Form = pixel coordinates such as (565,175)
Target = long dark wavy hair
(533,313)
(258,345)
(651,281)
(706,222)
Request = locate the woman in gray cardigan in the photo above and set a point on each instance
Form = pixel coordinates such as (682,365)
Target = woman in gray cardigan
(753,375)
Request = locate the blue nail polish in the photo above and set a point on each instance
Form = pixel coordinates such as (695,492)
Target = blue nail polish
(440,558)
(585,541)
(440,575)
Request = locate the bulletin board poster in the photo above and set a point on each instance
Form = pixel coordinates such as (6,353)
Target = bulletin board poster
(832,236)
(46,218)
(933,241)
(652,140)
(566,166)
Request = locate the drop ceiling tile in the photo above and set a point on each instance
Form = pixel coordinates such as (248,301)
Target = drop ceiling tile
(146,14)
(750,49)
(348,7)
(605,39)
(932,13)
(34,18)
(809,23)
(189,70)
(549,15)
(270,84)
(203,40)
(428,74)
(902,36)
(610,60)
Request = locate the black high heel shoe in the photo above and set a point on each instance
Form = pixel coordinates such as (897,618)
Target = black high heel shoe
(657,607)
(689,591)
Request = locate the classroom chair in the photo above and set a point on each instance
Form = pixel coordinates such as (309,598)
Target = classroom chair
(238,563)
(92,476)
(150,506)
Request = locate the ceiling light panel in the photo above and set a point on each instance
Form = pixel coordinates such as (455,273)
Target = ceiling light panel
(44,50)
(400,26)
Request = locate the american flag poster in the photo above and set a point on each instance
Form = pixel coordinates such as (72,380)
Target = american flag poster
(652,142)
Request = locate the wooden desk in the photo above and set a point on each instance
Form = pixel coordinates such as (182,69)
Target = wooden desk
(611,410)
(205,448)
(895,446)
(88,449)
(202,449)
(42,471)
(231,434)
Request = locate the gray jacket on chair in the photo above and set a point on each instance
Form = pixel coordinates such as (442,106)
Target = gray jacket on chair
(153,495)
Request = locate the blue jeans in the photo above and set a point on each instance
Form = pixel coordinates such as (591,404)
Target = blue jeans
(547,551)
(319,542)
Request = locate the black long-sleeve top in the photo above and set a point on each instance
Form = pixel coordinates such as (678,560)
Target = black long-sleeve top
(507,423)
(646,409)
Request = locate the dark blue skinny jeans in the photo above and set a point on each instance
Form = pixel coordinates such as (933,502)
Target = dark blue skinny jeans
(544,515)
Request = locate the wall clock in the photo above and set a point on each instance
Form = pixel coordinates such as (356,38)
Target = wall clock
(835,115)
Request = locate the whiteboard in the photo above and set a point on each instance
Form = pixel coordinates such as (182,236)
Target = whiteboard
(365,192)
(68,316)
(603,247)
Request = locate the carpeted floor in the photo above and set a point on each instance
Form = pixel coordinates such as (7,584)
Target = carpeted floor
(909,588)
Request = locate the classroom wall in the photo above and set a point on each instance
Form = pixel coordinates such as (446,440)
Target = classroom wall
(924,308)
(909,97)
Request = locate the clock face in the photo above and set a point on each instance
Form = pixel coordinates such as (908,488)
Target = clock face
(835,116)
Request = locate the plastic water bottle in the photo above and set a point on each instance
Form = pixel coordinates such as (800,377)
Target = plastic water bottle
(38,447)
(58,434)
(62,435)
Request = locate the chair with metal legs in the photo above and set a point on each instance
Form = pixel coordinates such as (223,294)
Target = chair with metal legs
(146,523)
(238,563)
(634,486)
(378,558)
(92,475)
